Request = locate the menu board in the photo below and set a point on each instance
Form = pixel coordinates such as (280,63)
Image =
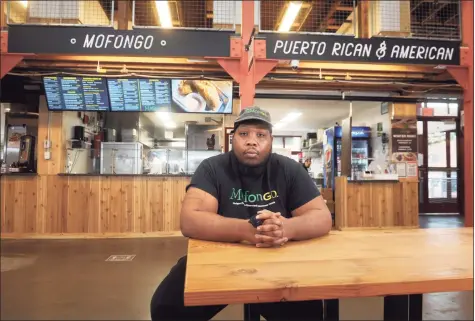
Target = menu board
(155,95)
(76,93)
(124,94)
(404,140)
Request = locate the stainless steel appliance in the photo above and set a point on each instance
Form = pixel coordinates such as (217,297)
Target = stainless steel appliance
(26,158)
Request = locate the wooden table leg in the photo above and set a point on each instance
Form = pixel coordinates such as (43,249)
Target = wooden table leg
(250,314)
(396,308)
(415,307)
(403,307)
(331,310)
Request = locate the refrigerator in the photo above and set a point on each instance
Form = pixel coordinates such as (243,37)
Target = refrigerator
(360,151)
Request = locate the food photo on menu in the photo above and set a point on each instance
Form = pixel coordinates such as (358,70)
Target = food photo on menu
(202,96)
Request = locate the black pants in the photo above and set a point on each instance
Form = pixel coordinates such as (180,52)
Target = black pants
(168,303)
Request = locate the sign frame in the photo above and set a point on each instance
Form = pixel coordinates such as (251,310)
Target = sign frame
(77,40)
(293,46)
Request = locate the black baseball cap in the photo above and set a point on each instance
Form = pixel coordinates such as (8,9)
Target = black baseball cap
(253,113)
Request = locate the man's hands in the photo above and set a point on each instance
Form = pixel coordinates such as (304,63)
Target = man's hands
(271,233)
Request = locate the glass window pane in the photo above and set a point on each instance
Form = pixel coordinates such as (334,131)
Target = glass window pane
(453,184)
(437,143)
(437,149)
(453,109)
(440,109)
(453,149)
(278,142)
(294,143)
(437,185)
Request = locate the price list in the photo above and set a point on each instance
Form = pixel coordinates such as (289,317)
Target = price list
(76,93)
(95,94)
(124,94)
(53,93)
(155,95)
(71,88)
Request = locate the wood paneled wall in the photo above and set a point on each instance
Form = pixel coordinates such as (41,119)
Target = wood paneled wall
(50,126)
(375,204)
(94,205)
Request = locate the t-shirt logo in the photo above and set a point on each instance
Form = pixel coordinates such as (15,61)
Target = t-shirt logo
(245,198)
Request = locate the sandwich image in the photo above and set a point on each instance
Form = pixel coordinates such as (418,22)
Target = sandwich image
(199,95)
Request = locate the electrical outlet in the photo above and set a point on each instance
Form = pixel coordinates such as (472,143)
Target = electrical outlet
(47,155)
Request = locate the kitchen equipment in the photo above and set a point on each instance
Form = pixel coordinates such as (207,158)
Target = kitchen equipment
(78,133)
(121,158)
(12,146)
(26,157)
(109,135)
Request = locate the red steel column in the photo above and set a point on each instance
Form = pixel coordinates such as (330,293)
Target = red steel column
(237,66)
(8,61)
(247,87)
(463,74)
(467,61)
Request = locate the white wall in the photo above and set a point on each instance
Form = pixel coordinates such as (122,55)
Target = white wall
(370,115)
(79,159)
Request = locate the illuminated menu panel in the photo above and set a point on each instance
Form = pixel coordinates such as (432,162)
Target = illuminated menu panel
(76,93)
(53,93)
(155,94)
(95,93)
(124,94)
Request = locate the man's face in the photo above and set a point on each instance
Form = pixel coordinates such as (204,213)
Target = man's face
(252,144)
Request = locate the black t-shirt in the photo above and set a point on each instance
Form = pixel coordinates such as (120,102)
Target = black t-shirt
(280,185)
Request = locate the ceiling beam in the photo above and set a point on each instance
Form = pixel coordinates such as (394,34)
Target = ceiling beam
(434,12)
(344,8)
(323,25)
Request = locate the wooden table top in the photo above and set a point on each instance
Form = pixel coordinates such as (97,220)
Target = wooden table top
(340,265)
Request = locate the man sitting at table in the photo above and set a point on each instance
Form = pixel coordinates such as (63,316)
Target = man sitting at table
(246,195)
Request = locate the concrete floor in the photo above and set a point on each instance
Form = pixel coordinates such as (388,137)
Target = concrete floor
(70,279)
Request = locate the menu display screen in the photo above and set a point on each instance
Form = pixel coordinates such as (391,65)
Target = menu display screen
(202,96)
(76,93)
(124,94)
(155,94)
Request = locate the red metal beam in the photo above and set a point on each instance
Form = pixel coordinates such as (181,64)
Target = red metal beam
(8,61)
(467,62)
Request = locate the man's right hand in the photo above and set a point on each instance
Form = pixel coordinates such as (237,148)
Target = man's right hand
(270,233)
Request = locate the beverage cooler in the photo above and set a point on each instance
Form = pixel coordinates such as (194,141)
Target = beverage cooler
(360,151)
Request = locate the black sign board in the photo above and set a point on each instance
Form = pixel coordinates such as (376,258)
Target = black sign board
(347,48)
(76,93)
(107,41)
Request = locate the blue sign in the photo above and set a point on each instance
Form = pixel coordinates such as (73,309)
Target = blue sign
(356,132)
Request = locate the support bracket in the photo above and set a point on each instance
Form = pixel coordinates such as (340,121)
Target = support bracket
(460,74)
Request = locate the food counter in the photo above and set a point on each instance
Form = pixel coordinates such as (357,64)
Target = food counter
(376,203)
(91,204)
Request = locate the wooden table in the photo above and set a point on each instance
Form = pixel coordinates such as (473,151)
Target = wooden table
(344,264)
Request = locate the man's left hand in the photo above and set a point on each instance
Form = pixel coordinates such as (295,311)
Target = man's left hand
(271,232)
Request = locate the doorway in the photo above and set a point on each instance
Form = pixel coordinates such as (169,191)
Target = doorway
(438,166)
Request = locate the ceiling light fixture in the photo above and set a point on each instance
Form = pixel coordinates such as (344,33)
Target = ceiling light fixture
(290,117)
(164,116)
(289,16)
(164,14)
(170,125)
(24,3)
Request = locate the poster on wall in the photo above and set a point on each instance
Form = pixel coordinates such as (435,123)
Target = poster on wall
(412,169)
(404,140)
(328,159)
(202,96)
